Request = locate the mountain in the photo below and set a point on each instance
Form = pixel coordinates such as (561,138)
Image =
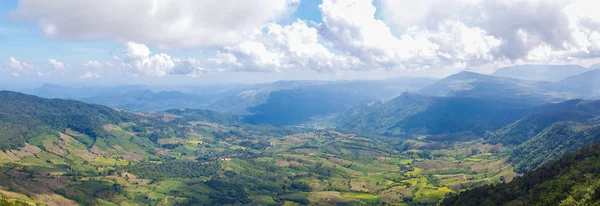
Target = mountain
(553,142)
(76,93)
(357,90)
(288,107)
(23,117)
(550,132)
(414,114)
(65,152)
(470,84)
(551,73)
(576,110)
(143,97)
(571,180)
(583,85)
(147,100)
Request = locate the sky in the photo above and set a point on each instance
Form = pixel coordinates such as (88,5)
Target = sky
(239,41)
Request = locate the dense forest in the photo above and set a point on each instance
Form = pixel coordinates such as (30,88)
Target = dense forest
(573,179)
(24,116)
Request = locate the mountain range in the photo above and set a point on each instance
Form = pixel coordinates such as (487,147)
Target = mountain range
(407,140)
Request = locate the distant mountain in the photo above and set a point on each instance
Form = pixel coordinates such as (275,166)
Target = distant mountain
(143,97)
(414,114)
(288,107)
(470,84)
(551,73)
(239,103)
(571,180)
(259,99)
(76,93)
(147,100)
(586,84)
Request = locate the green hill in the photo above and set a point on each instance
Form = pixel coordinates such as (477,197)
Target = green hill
(550,132)
(414,114)
(470,84)
(573,179)
(24,116)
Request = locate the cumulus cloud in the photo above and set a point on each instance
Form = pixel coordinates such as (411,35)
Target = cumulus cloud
(56,64)
(528,30)
(138,57)
(88,75)
(162,22)
(15,67)
(352,28)
(14,64)
(282,48)
(95,64)
(410,35)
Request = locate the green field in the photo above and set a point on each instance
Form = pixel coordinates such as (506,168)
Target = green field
(170,163)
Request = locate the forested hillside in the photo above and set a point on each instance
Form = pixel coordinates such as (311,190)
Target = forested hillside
(23,117)
(550,132)
(414,114)
(572,180)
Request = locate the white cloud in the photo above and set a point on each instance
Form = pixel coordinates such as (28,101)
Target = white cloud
(14,64)
(138,57)
(352,28)
(88,75)
(95,64)
(56,64)
(27,66)
(412,35)
(15,67)
(282,48)
(551,31)
(160,22)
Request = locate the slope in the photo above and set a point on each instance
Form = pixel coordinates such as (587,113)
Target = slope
(550,132)
(414,114)
(583,85)
(24,116)
(551,73)
(470,84)
(572,180)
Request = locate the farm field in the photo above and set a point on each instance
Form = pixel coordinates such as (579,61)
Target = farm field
(236,165)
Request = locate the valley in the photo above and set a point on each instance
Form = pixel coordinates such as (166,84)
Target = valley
(290,143)
(165,159)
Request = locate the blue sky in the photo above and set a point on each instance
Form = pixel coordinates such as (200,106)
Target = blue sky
(230,41)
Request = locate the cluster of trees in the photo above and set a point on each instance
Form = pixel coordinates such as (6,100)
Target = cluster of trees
(173,169)
(572,180)
(7,202)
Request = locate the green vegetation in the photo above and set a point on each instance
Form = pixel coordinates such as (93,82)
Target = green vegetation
(572,180)
(413,150)
(179,158)
(23,117)
(411,115)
